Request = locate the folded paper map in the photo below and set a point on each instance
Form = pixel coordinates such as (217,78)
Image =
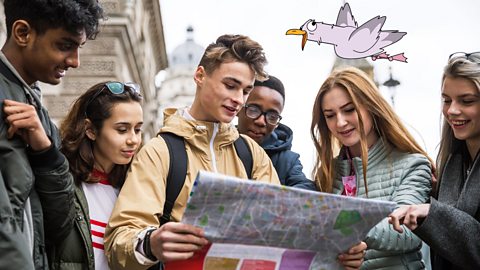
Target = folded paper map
(244,212)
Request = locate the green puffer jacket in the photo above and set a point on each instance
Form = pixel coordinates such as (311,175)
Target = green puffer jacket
(75,252)
(391,176)
(41,178)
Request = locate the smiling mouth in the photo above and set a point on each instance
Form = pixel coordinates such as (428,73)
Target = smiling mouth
(346,132)
(232,109)
(61,71)
(459,123)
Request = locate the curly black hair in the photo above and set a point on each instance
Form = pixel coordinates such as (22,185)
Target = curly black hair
(72,15)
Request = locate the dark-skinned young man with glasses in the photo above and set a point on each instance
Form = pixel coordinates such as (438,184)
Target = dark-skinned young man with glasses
(260,120)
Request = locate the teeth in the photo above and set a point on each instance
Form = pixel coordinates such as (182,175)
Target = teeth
(459,123)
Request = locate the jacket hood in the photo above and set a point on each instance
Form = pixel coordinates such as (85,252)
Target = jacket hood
(280,140)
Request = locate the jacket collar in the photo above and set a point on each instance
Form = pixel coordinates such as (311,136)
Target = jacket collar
(194,131)
(280,139)
(376,154)
(464,195)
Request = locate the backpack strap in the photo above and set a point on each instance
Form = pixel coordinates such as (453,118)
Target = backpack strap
(245,154)
(177,171)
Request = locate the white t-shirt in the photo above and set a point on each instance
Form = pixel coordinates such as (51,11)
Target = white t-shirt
(101,198)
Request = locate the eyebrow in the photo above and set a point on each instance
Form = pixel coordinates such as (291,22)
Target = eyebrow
(462,96)
(127,123)
(341,107)
(235,80)
(261,108)
(71,40)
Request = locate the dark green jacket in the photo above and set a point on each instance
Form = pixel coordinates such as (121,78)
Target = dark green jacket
(76,250)
(43,177)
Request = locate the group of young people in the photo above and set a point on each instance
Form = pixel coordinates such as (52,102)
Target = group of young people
(88,196)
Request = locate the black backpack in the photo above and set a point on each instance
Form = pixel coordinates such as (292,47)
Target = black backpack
(178,170)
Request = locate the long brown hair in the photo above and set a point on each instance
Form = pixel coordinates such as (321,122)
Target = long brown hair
(96,105)
(363,93)
(467,68)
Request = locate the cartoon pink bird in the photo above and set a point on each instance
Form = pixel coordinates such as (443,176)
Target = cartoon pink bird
(349,40)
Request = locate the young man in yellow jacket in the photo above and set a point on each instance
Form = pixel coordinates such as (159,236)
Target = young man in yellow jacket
(225,76)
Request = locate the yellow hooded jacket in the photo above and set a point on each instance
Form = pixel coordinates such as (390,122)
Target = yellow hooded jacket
(209,147)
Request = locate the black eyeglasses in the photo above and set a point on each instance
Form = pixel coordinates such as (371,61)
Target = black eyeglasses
(115,88)
(464,54)
(254,112)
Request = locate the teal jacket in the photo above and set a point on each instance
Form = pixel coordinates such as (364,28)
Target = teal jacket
(391,176)
(75,252)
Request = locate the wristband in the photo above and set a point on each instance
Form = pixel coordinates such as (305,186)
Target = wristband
(147,248)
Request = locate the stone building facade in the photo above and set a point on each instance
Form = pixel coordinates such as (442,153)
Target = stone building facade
(130,47)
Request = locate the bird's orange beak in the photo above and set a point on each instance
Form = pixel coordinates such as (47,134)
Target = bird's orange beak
(298,32)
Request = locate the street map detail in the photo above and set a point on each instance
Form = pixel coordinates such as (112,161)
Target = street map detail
(245,212)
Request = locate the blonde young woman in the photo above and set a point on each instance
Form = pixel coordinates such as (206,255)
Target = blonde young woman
(378,159)
(450,223)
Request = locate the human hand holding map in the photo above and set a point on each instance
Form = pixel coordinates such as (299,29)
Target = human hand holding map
(319,226)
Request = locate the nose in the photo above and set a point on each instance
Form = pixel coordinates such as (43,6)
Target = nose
(134,139)
(261,120)
(341,121)
(73,60)
(453,109)
(238,98)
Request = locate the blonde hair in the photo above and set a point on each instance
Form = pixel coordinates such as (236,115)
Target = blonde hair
(363,93)
(462,66)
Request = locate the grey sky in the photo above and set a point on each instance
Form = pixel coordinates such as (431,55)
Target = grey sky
(434,30)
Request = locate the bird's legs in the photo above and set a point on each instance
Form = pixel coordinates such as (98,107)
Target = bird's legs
(380,56)
(397,57)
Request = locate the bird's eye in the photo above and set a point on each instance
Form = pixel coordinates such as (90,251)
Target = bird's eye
(311,26)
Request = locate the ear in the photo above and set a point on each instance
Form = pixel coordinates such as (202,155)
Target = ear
(199,75)
(22,32)
(89,130)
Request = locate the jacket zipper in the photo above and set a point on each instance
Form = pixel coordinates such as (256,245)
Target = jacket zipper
(212,149)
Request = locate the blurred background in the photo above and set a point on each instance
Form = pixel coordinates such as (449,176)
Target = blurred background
(157,43)
(435,29)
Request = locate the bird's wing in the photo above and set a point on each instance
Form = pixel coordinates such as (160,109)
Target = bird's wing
(345,17)
(391,36)
(365,36)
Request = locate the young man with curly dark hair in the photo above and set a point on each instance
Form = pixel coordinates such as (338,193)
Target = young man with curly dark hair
(137,236)
(36,188)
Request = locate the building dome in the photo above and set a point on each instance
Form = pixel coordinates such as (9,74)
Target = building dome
(187,54)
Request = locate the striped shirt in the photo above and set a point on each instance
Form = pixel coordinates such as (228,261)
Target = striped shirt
(101,198)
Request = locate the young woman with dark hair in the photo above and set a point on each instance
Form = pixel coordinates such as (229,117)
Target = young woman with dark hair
(100,135)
